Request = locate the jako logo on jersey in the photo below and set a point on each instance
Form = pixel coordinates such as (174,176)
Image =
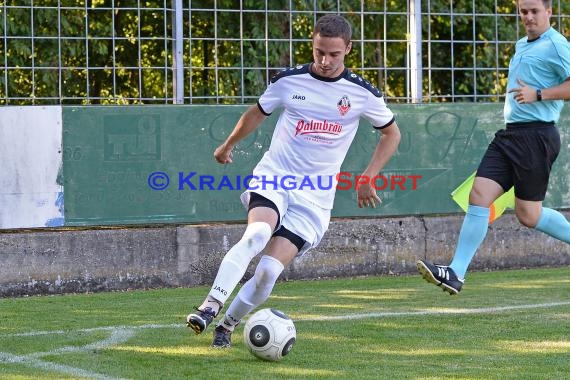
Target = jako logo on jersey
(343,105)
(298,97)
(314,126)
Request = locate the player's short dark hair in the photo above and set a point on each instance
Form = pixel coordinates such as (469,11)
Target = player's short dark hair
(547,3)
(332,25)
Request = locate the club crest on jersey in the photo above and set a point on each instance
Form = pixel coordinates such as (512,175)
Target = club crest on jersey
(343,105)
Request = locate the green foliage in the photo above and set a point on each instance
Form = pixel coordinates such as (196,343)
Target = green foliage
(65,55)
(92,52)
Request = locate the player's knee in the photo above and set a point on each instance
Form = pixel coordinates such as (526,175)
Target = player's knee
(526,219)
(256,236)
(527,222)
(267,271)
(266,275)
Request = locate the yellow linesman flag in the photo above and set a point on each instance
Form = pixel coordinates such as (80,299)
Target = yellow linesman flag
(505,201)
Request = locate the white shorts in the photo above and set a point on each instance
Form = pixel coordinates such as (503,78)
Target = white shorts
(298,215)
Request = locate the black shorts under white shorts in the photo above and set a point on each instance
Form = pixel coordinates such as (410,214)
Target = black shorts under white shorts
(257,200)
(522,156)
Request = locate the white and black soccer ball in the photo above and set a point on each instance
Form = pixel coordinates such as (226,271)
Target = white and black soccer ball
(269,334)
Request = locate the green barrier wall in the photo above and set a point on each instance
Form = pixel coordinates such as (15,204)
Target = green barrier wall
(110,153)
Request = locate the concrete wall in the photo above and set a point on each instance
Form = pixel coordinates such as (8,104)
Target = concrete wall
(64,261)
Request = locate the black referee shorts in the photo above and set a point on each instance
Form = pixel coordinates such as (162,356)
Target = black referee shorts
(522,156)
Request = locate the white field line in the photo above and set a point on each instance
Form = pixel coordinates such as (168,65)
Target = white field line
(49,366)
(387,314)
(94,329)
(120,334)
(482,310)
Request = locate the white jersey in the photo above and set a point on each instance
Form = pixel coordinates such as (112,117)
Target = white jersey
(314,132)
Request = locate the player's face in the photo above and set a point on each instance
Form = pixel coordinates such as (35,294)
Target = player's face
(329,53)
(535,17)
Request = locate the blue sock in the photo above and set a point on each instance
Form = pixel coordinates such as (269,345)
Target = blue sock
(553,223)
(471,236)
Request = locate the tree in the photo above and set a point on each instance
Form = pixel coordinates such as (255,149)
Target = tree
(110,52)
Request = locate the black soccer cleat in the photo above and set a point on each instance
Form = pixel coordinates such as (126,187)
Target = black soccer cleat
(440,275)
(222,337)
(200,320)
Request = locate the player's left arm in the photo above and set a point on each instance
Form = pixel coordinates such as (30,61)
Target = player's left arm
(385,149)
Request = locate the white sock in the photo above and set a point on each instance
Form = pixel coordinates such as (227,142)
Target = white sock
(254,292)
(236,261)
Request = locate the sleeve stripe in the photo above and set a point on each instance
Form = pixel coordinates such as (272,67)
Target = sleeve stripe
(262,110)
(385,125)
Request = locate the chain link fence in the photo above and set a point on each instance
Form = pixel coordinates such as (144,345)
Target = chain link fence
(224,52)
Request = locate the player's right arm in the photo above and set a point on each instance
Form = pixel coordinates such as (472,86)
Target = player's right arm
(248,122)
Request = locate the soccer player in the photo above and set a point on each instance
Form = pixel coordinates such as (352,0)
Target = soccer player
(522,154)
(322,103)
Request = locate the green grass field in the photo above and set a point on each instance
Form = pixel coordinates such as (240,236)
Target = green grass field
(504,325)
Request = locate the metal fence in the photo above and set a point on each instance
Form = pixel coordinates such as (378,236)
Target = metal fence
(123,52)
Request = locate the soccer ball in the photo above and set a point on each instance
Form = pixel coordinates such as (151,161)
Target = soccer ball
(269,334)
